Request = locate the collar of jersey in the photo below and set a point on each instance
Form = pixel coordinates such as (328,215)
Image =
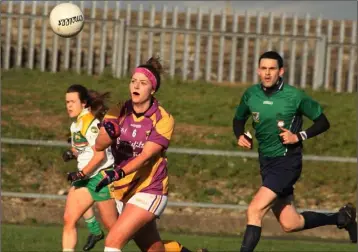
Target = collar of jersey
(148,113)
(279,83)
(84,111)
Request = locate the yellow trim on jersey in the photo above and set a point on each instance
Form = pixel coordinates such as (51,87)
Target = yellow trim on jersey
(140,179)
(137,119)
(165,126)
(165,182)
(87,120)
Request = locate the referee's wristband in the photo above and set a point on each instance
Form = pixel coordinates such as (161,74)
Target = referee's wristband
(302,135)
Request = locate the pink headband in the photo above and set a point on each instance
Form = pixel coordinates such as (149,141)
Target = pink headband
(148,74)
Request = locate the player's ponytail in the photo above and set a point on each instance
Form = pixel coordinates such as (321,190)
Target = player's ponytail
(155,63)
(97,103)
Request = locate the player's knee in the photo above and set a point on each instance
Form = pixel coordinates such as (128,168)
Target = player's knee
(254,212)
(288,227)
(68,221)
(114,238)
(292,223)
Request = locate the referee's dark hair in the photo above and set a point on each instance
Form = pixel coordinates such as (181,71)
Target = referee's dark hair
(272,55)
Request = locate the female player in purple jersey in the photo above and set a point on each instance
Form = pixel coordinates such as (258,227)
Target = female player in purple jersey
(139,132)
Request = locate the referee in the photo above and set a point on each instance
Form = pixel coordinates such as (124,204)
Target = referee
(277,110)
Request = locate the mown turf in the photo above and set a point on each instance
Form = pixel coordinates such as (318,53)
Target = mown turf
(191,177)
(33,107)
(48,238)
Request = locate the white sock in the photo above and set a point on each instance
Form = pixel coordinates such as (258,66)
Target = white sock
(108,249)
(68,250)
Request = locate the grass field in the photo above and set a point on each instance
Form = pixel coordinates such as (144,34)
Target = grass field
(192,178)
(33,108)
(48,238)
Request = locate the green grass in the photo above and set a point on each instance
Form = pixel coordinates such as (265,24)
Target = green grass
(48,238)
(191,177)
(33,107)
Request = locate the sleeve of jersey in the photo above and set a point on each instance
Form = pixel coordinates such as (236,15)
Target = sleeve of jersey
(162,132)
(92,132)
(309,107)
(242,110)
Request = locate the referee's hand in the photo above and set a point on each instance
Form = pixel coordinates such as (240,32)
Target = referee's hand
(288,137)
(243,142)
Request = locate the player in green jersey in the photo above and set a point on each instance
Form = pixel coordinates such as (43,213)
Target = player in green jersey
(277,110)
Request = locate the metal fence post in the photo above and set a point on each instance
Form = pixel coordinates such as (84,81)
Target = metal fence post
(30,63)
(352,58)
(43,37)
(339,63)
(327,75)
(321,62)
(120,48)
(19,35)
(91,40)
(8,37)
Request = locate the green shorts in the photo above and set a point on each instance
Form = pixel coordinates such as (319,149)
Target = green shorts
(91,184)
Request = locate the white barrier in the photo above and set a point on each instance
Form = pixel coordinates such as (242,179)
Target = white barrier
(190,151)
(170,203)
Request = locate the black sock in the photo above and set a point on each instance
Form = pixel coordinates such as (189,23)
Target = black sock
(251,238)
(314,219)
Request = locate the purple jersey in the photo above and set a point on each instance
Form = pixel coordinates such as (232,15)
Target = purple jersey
(156,125)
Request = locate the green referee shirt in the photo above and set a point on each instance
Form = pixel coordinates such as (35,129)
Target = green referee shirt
(287,105)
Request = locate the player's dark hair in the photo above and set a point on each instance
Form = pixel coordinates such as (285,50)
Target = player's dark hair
(93,99)
(272,55)
(153,65)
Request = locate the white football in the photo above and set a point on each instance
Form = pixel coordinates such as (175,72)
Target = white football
(66,20)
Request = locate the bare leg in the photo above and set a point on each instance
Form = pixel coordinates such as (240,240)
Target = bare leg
(77,203)
(132,219)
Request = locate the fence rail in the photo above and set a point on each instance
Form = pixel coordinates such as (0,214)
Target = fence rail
(189,151)
(170,203)
(195,45)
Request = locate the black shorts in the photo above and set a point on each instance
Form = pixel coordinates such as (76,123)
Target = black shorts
(281,173)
